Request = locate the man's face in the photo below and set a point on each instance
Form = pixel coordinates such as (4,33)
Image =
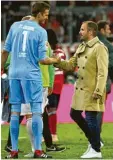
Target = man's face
(107,30)
(84,33)
(44,16)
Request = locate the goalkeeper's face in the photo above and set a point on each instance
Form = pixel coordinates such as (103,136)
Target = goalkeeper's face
(43,16)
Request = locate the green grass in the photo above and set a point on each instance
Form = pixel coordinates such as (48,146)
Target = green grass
(69,135)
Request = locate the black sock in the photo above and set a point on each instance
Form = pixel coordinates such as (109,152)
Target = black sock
(46,131)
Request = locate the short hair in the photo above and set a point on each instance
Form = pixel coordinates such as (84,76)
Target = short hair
(38,7)
(102,24)
(92,26)
(47,2)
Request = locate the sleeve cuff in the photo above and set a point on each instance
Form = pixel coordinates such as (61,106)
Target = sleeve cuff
(97,91)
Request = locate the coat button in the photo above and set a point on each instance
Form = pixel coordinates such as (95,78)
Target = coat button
(83,67)
(97,89)
(76,88)
(78,67)
(86,57)
(82,78)
(77,77)
(81,88)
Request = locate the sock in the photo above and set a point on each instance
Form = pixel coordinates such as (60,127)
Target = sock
(9,136)
(30,132)
(37,128)
(14,131)
(53,123)
(46,130)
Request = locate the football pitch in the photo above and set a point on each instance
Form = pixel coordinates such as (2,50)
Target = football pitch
(69,135)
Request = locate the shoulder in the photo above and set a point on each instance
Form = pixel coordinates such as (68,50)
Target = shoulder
(40,33)
(101,45)
(13,27)
(101,50)
(41,29)
(107,44)
(16,23)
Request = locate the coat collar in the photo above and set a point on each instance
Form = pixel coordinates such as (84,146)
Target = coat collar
(83,45)
(92,42)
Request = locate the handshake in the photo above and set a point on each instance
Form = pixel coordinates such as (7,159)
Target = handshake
(57,58)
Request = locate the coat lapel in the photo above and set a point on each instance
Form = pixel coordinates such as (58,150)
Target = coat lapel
(83,45)
(81,48)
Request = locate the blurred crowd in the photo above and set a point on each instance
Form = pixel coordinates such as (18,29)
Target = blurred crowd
(65,16)
(65,19)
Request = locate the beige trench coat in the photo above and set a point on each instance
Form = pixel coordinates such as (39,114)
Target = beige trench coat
(92,61)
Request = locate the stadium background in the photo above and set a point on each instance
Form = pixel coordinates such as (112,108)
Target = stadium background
(65,19)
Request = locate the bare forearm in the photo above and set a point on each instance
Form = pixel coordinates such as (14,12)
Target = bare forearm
(48,61)
(4,56)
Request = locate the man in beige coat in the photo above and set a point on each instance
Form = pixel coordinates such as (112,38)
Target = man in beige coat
(91,58)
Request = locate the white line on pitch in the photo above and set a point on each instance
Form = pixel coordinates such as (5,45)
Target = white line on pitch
(19,138)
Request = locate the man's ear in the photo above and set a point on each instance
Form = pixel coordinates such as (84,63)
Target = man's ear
(91,32)
(102,30)
(38,15)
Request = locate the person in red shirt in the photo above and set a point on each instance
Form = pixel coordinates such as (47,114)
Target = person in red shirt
(58,83)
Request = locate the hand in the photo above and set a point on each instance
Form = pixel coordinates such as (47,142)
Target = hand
(4,76)
(96,96)
(58,59)
(50,90)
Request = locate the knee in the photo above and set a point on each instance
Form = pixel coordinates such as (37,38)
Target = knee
(51,109)
(16,109)
(36,108)
(75,115)
(91,115)
(14,121)
(28,116)
(36,115)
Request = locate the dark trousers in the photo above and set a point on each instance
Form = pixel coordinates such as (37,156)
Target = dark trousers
(110,73)
(4,87)
(99,120)
(46,131)
(89,126)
